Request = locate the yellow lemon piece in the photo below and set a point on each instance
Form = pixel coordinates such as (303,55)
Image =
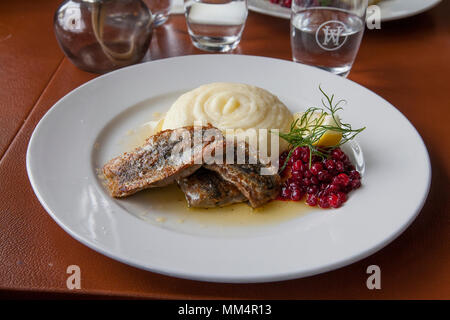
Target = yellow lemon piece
(329,138)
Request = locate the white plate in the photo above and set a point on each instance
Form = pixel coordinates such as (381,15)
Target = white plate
(390,9)
(83,130)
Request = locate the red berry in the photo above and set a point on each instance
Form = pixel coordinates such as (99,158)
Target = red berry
(297,153)
(323,176)
(340,166)
(297,166)
(345,159)
(323,202)
(285,193)
(344,179)
(312,189)
(337,154)
(330,165)
(296,195)
(354,175)
(333,200)
(311,200)
(342,197)
(314,180)
(293,185)
(355,184)
(306,181)
(332,188)
(305,150)
(349,167)
(304,154)
(347,189)
(315,168)
(297,174)
(341,179)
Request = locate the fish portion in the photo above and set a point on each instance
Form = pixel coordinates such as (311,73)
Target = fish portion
(247,177)
(206,189)
(177,155)
(164,157)
(258,189)
(231,177)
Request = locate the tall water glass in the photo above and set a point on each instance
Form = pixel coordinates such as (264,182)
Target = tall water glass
(216,25)
(160,10)
(327,33)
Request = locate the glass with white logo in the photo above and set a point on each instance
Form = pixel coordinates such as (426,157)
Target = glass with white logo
(216,25)
(327,33)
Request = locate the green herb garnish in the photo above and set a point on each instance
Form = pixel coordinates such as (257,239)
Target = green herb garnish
(309,129)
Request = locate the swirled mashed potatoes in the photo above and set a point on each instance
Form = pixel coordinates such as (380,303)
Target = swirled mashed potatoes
(230,106)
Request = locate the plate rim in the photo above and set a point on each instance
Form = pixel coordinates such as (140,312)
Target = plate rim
(227,279)
(287,15)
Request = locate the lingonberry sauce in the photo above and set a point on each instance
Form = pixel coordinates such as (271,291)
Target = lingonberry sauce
(325,184)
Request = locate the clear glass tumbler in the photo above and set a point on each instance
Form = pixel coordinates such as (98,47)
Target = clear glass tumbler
(216,25)
(160,10)
(327,33)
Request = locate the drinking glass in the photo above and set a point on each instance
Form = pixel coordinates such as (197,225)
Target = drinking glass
(215,25)
(327,33)
(160,10)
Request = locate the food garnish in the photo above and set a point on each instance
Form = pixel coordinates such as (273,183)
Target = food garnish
(320,130)
(315,166)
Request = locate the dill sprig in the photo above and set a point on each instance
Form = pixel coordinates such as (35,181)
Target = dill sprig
(307,130)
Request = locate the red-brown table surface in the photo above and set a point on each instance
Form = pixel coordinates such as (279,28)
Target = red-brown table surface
(406,62)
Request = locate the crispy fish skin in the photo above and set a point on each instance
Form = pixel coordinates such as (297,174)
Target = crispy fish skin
(247,177)
(155,164)
(206,189)
(258,189)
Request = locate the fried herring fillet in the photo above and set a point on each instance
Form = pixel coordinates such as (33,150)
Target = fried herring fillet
(206,189)
(155,164)
(247,178)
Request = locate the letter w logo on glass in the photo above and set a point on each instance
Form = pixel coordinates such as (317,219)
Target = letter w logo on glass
(332,32)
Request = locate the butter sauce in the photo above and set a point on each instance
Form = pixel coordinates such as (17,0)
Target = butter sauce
(171,204)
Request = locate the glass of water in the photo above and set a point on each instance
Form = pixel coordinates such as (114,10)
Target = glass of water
(160,10)
(216,25)
(327,33)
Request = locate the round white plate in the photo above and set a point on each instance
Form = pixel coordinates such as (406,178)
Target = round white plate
(83,130)
(390,9)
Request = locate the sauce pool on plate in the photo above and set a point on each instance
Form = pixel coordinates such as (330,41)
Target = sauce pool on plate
(170,202)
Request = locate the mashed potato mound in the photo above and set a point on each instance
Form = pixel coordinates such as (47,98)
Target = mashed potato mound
(230,106)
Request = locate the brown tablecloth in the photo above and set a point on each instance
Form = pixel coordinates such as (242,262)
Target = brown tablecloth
(406,62)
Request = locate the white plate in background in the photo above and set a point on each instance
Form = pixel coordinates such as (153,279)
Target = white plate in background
(390,9)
